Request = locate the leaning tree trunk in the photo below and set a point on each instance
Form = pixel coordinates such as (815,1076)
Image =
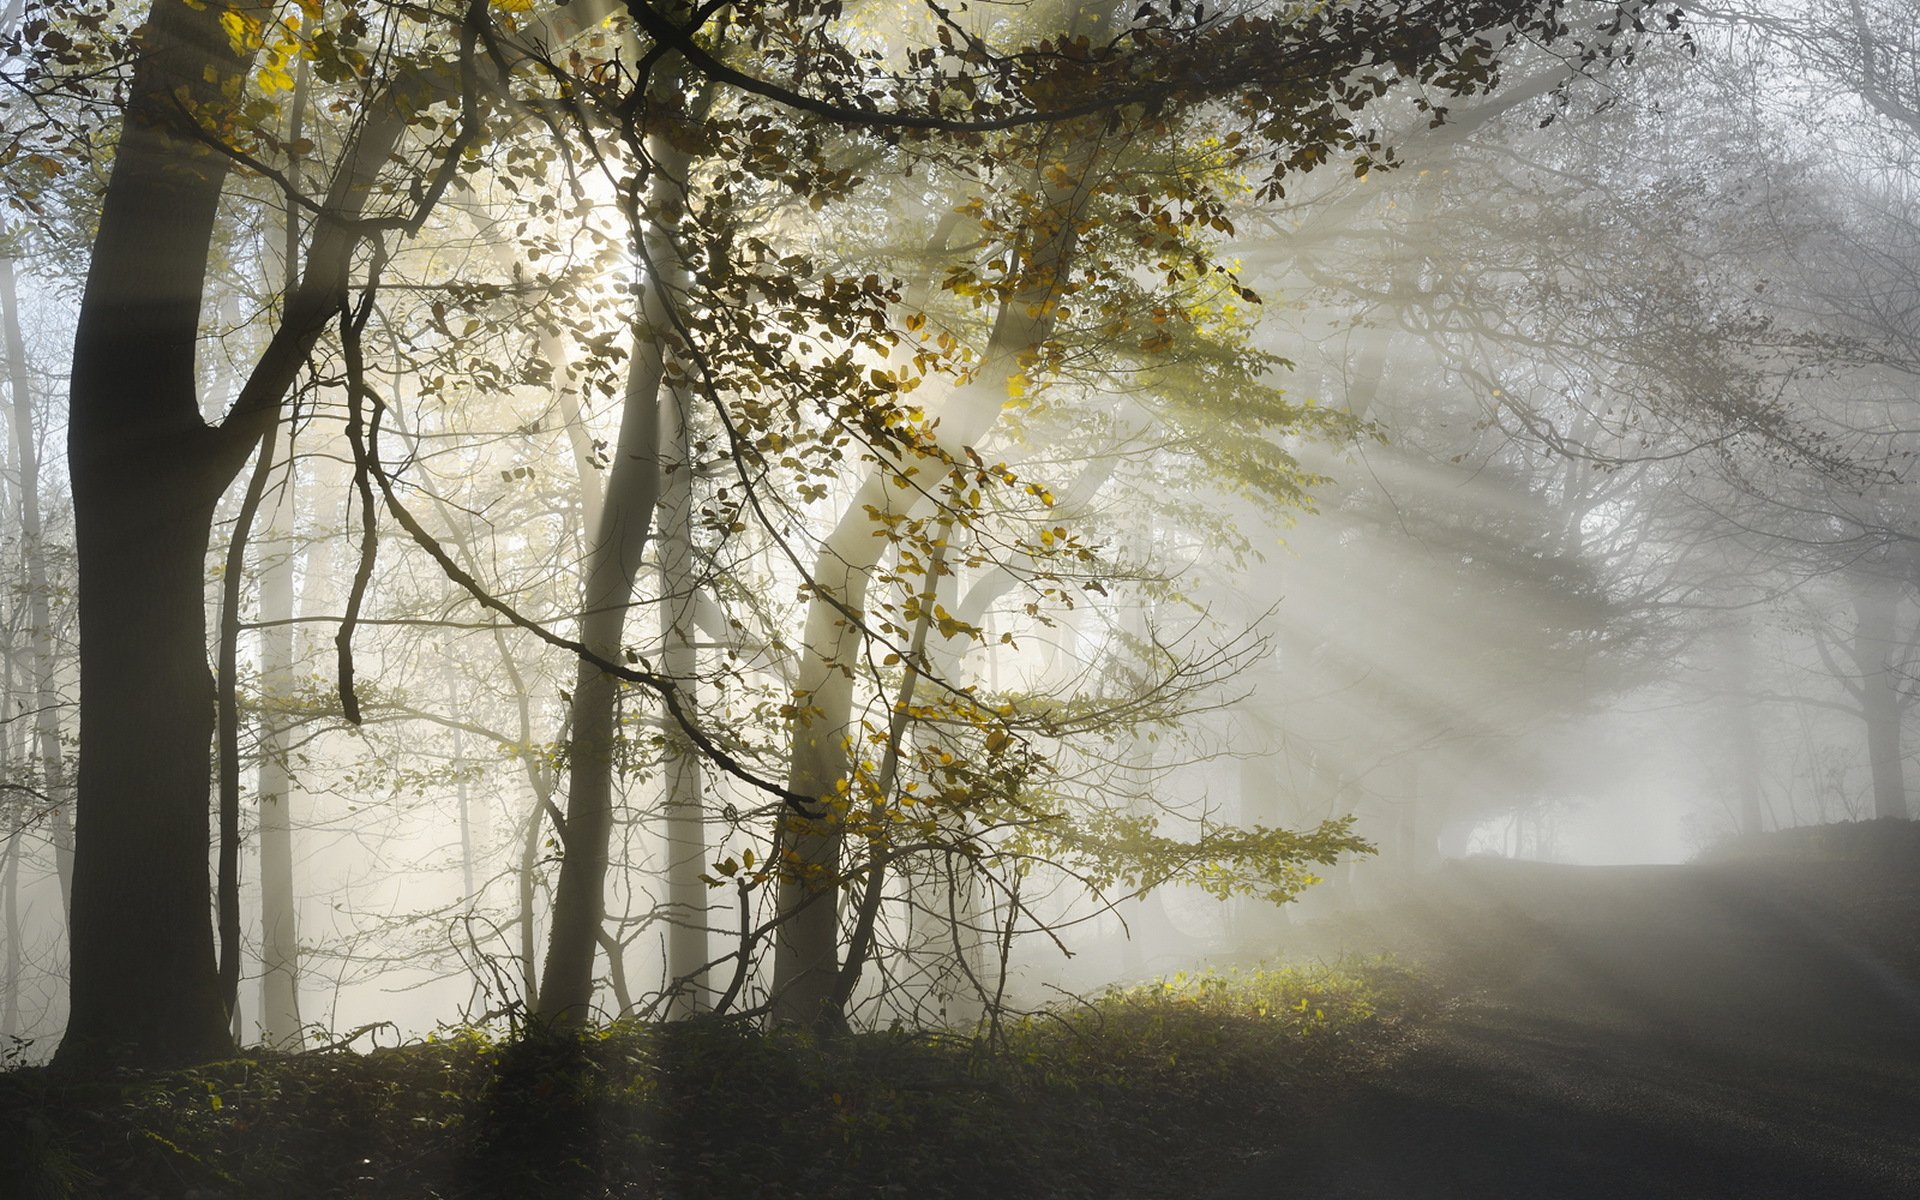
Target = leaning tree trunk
(806,945)
(579,897)
(618,541)
(613,564)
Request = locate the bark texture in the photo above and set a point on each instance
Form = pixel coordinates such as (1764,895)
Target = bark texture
(146,474)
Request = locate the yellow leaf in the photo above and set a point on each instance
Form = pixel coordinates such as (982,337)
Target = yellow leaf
(243,31)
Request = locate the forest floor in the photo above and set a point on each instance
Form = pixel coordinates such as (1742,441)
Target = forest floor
(1137,1093)
(1747,1026)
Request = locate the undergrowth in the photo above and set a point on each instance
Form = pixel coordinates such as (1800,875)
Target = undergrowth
(1136,1092)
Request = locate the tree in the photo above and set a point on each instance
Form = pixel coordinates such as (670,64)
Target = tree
(146,476)
(148,471)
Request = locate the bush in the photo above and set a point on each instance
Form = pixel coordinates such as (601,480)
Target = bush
(1128,1093)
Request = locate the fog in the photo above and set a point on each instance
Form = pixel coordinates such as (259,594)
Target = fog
(1530,484)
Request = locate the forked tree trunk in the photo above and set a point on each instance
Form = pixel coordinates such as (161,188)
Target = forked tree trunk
(147,473)
(579,898)
(806,945)
(617,544)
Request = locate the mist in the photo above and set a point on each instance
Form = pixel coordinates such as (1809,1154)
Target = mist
(884,522)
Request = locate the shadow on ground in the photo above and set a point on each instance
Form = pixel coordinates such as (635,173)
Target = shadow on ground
(1730,1030)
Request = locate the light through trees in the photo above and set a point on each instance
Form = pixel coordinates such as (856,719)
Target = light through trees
(778,509)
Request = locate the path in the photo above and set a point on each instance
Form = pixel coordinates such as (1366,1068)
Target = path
(1643,1032)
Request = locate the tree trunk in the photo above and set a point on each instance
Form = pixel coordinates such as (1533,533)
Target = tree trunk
(9,862)
(462,800)
(1737,665)
(42,661)
(279,930)
(686,841)
(147,473)
(806,944)
(618,542)
(579,899)
(1875,643)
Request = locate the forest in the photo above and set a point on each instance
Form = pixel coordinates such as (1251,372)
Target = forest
(1051,597)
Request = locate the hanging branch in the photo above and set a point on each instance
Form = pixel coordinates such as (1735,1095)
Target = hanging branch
(352,323)
(363,435)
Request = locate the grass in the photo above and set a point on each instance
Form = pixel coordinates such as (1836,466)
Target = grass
(1139,1092)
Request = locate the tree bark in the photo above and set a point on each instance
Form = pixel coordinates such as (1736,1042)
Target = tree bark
(147,472)
(579,898)
(618,543)
(146,477)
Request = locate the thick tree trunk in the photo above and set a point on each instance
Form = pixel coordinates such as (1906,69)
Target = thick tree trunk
(146,476)
(1875,602)
(147,473)
(144,985)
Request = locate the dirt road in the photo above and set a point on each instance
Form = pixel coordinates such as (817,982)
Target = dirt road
(1731,1031)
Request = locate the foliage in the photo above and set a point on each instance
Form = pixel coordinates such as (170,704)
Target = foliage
(1128,1094)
